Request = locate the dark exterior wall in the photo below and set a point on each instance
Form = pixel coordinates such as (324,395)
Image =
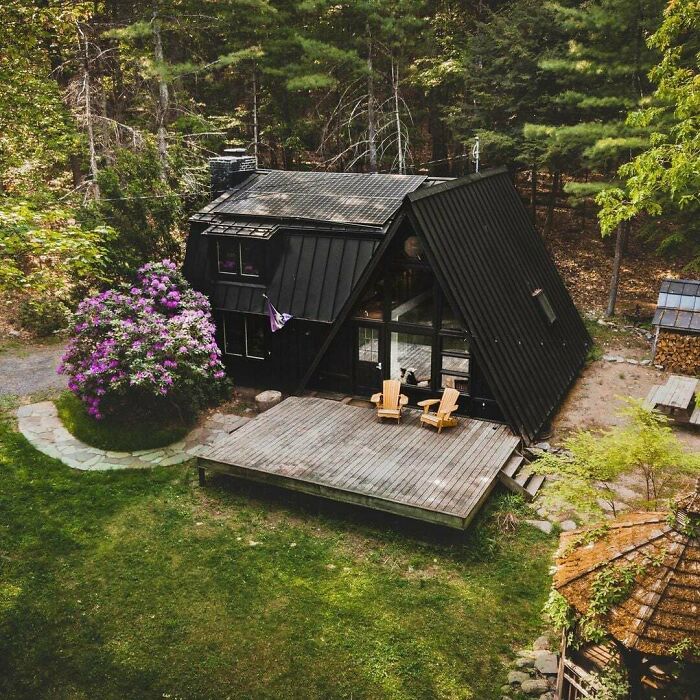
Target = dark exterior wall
(289,352)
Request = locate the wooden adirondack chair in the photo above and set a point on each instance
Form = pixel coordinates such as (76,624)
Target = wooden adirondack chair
(390,401)
(442,418)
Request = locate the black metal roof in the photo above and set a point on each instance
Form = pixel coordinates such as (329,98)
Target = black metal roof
(491,262)
(678,305)
(348,198)
(248,229)
(312,280)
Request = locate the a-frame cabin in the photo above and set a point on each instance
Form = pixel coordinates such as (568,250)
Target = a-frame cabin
(435,282)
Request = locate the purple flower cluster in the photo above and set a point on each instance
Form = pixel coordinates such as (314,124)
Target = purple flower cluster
(153,339)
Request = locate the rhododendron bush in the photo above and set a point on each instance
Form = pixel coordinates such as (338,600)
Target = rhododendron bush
(146,347)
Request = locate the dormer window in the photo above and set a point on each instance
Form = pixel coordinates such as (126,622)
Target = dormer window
(239,258)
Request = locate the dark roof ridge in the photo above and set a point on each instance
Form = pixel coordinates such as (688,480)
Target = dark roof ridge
(456,182)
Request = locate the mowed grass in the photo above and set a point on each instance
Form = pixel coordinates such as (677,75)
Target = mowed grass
(144,585)
(134,433)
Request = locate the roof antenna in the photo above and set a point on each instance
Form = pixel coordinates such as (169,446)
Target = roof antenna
(475,154)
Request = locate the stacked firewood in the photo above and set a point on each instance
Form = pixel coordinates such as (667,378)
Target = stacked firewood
(678,352)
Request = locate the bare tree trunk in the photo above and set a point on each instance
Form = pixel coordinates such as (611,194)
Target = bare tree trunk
(94,188)
(615,280)
(163,100)
(397,116)
(533,195)
(371,125)
(549,221)
(256,127)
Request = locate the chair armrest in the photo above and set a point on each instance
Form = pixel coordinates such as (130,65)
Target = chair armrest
(376,398)
(427,404)
(403,400)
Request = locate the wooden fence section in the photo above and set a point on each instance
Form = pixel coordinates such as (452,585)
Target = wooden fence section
(341,452)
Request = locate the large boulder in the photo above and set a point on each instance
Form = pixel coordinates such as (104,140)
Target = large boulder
(267,399)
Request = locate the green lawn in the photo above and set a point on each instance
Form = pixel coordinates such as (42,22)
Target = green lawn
(143,585)
(111,434)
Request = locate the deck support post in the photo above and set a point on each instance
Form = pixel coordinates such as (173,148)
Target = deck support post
(202,476)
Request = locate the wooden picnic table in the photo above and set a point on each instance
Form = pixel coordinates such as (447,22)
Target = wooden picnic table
(676,398)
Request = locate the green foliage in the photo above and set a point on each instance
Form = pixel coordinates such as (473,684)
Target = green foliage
(120,435)
(645,446)
(665,177)
(611,683)
(48,261)
(145,210)
(559,612)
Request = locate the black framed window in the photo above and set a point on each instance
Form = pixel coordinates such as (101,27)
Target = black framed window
(412,298)
(368,344)
(239,258)
(455,363)
(244,336)
(228,257)
(411,358)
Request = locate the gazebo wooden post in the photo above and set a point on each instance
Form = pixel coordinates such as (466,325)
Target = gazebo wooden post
(632,661)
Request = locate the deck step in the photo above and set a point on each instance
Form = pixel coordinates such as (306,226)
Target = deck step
(535,484)
(522,477)
(512,465)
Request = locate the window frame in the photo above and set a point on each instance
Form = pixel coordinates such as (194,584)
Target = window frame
(245,354)
(238,242)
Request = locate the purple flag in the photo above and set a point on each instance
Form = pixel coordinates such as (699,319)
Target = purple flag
(277,319)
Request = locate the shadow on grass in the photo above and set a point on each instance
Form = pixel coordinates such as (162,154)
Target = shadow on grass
(133,433)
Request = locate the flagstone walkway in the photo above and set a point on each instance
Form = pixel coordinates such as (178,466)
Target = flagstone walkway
(40,424)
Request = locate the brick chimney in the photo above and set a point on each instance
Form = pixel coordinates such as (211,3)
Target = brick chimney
(230,169)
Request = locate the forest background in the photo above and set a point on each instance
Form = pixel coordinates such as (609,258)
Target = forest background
(110,110)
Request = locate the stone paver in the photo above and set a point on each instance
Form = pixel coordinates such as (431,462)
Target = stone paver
(40,424)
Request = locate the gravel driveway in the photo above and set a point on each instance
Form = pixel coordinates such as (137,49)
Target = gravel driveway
(30,369)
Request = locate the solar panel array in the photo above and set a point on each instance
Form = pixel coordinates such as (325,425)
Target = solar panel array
(349,198)
(250,228)
(678,305)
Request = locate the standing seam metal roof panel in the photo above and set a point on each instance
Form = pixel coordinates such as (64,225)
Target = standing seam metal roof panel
(312,280)
(483,246)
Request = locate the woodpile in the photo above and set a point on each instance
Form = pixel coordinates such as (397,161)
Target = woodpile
(678,352)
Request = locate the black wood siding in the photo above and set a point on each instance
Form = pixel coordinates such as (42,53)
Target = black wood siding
(490,259)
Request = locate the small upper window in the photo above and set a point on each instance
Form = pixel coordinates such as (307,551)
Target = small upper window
(251,258)
(228,257)
(543,301)
(236,257)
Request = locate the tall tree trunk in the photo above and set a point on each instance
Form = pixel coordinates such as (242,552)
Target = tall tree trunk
(533,195)
(371,117)
(549,221)
(615,280)
(256,128)
(397,116)
(94,189)
(163,100)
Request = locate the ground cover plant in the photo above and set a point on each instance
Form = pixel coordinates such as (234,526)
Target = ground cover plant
(143,585)
(145,350)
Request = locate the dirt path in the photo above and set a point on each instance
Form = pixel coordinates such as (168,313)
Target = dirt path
(30,369)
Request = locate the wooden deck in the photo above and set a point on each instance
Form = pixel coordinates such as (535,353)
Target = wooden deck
(342,453)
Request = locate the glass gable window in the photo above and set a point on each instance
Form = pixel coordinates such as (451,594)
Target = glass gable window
(412,299)
(411,358)
(372,302)
(244,336)
(242,258)
(455,368)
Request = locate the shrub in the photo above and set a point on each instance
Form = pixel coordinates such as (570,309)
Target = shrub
(145,348)
(48,262)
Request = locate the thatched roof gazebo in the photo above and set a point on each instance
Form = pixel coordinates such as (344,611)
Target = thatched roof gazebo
(636,581)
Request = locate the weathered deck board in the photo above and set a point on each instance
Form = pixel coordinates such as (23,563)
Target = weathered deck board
(343,453)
